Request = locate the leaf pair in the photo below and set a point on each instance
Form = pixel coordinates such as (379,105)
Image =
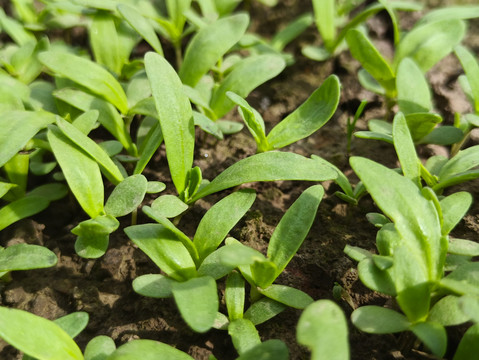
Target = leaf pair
(304,121)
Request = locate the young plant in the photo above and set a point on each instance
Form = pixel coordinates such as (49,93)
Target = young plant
(414,101)
(426,44)
(412,257)
(331,18)
(304,121)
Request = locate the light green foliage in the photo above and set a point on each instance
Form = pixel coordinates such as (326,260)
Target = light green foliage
(127,196)
(148,350)
(244,335)
(99,348)
(322,327)
(93,236)
(26,257)
(176,118)
(235,296)
(93,77)
(24,333)
(209,45)
(268,350)
(169,206)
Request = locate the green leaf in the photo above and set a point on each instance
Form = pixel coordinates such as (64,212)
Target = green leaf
(464,280)
(470,305)
(21,208)
(464,160)
(18,127)
(73,323)
(433,335)
(378,320)
(422,124)
(26,257)
(109,168)
(169,206)
(220,219)
(322,327)
(164,248)
(462,12)
(141,25)
(148,350)
(99,348)
(284,36)
(269,166)
(447,312)
(244,77)
(93,77)
(469,344)
(81,172)
(200,314)
(463,247)
(309,117)
(213,265)
(443,135)
(87,121)
(374,278)
(471,68)
(454,207)
(244,335)
(413,91)
(325,19)
(293,227)
(287,295)
(14,29)
(263,272)
(209,45)
(106,53)
(30,333)
(93,236)
(414,217)
(155,187)
(126,196)
(153,285)
(427,44)
(176,117)
(405,149)
(108,115)
(263,310)
(268,350)
(235,296)
(363,50)
(148,147)
(207,125)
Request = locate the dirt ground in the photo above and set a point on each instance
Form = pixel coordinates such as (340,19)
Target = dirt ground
(103,288)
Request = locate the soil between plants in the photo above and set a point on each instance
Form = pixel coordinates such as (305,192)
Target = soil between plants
(103,288)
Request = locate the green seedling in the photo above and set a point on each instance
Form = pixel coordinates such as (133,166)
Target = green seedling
(426,44)
(304,121)
(322,327)
(42,339)
(470,86)
(181,258)
(438,172)
(414,101)
(412,258)
(276,45)
(331,18)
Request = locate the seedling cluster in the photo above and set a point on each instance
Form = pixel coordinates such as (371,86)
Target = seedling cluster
(86,122)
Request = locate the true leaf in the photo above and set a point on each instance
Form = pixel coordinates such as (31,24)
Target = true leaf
(220,219)
(433,335)
(243,334)
(309,117)
(293,227)
(322,327)
(263,310)
(378,320)
(471,68)
(413,91)
(93,149)
(126,196)
(23,333)
(463,247)
(287,295)
(269,166)
(148,147)
(454,207)
(95,78)
(447,312)
(169,206)
(26,257)
(149,350)
(81,172)
(18,127)
(21,208)
(405,149)
(201,313)
(153,285)
(244,77)
(73,323)
(469,344)
(176,118)
(99,348)
(269,350)
(235,296)
(164,248)
(209,45)
(93,236)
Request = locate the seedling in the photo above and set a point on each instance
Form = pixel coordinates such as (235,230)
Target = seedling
(412,257)
(329,15)
(304,121)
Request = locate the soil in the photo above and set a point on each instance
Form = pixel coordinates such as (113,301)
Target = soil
(103,288)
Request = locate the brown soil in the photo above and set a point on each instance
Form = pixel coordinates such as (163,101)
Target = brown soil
(103,287)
